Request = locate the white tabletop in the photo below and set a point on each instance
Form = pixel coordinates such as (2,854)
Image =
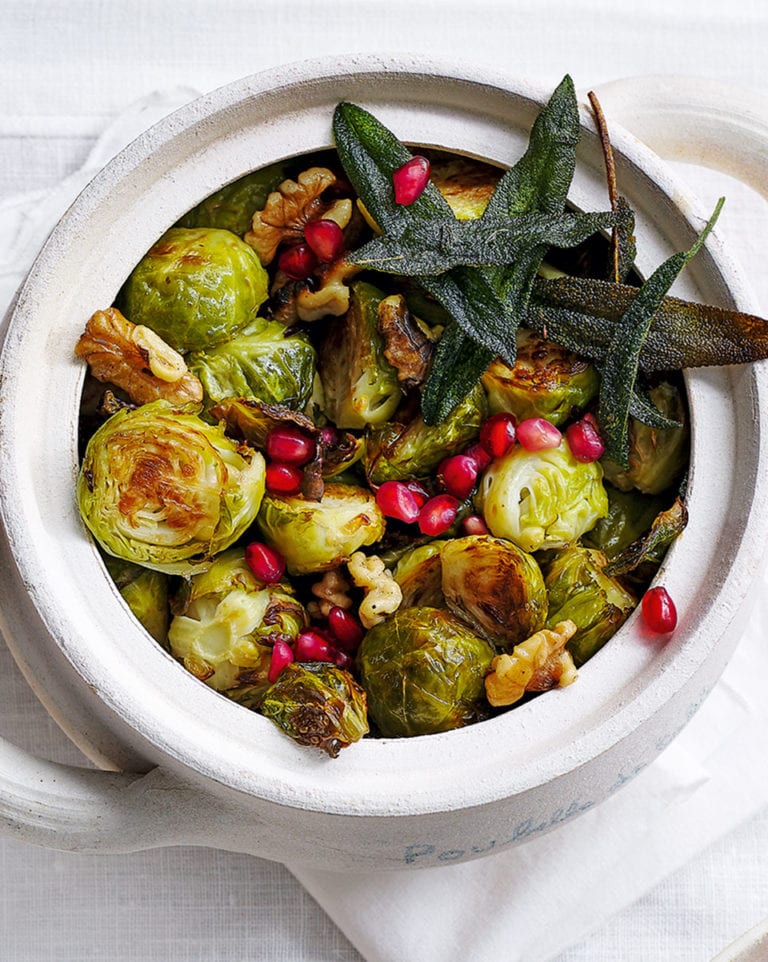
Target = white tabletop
(66,69)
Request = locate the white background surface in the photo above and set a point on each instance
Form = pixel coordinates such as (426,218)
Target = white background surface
(65,70)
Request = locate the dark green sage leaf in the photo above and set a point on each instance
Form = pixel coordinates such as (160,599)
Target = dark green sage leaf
(457,365)
(620,367)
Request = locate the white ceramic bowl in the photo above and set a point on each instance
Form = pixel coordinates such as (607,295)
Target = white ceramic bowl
(197,768)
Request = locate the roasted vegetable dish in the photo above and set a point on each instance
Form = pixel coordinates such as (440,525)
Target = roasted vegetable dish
(379,442)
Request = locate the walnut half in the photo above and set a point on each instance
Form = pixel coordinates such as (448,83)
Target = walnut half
(539,663)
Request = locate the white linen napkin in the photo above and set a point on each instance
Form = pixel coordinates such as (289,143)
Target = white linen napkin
(529,903)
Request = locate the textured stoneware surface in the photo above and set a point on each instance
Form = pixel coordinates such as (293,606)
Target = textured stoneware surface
(222,776)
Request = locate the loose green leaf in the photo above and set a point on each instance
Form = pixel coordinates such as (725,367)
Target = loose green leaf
(651,546)
(620,367)
(457,365)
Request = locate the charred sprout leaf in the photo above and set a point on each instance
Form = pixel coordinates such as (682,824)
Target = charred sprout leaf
(233,206)
(316,536)
(495,587)
(656,456)
(146,594)
(620,367)
(581,591)
(260,362)
(541,499)
(196,288)
(252,420)
(423,670)
(360,386)
(546,381)
(412,449)
(665,528)
(228,621)
(160,487)
(318,705)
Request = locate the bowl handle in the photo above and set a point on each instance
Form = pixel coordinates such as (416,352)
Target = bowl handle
(696,121)
(85,810)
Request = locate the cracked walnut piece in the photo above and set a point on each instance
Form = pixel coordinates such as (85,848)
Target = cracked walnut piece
(291,207)
(135,359)
(332,591)
(539,663)
(382,593)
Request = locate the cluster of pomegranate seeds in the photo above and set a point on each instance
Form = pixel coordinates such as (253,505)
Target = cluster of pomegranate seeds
(538,434)
(266,563)
(584,440)
(297,262)
(410,180)
(283,478)
(438,514)
(325,239)
(457,475)
(659,610)
(498,433)
(282,655)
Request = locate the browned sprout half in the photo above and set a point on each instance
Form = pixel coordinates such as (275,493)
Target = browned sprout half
(494,586)
(135,359)
(318,705)
(291,207)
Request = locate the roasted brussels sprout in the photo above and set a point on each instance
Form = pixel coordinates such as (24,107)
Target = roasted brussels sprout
(359,384)
(657,457)
(146,594)
(419,574)
(423,670)
(542,499)
(233,207)
(319,535)
(495,587)
(227,619)
(413,449)
(317,704)
(466,184)
(546,381)
(196,288)
(160,487)
(579,591)
(260,362)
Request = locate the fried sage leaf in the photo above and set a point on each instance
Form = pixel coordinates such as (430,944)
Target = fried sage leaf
(622,359)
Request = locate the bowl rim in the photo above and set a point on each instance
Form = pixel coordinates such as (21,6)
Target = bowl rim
(373,777)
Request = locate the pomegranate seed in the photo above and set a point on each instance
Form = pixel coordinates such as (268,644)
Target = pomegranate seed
(297,262)
(289,445)
(659,610)
(438,514)
(497,435)
(538,434)
(325,238)
(584,440)
(341,659)
(312,646)
(346,630)
(418,491)
(329,437)
(474,524)
(266,563)
(397,501)
(478,453)
(410,180)
(458,475)
(282,655)
(283,478)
